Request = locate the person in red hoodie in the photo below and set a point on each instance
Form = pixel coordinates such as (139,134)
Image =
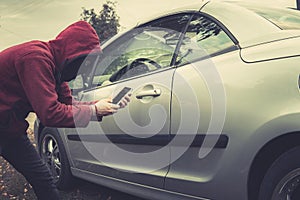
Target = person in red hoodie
(33,79)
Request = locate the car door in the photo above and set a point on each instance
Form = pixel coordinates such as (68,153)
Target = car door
(198,105)
(132,144)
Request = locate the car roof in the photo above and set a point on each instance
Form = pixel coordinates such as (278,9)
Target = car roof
(193,7)
(247,27)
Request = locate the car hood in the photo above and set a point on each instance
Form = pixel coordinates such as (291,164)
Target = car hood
(272,46)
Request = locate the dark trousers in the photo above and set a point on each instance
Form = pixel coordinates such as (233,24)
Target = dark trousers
(22,155)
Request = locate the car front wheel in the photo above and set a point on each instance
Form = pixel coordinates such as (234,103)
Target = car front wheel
(52,151)
(282,180)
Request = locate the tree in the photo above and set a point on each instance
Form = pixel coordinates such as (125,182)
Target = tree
(106,23)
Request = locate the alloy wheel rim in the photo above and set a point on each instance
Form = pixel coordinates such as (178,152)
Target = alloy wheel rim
(51,155)
(286,188)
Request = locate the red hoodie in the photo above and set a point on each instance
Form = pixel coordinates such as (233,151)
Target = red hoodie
(28,83)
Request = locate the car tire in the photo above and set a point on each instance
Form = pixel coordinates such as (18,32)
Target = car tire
(52,151)
(282,180)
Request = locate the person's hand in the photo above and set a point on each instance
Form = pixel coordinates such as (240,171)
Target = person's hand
(125,100)
(105,107)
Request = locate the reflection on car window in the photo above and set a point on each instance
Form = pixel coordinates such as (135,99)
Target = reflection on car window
(203,38)
(142,50)
(284,18)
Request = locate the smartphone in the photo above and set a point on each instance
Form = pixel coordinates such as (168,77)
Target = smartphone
(120,95)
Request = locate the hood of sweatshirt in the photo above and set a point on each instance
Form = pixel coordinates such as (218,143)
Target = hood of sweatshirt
(76,41)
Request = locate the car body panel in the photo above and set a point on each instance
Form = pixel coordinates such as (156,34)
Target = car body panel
(139,124)
(280,49)
(133,188)
(227,14)
(244,97)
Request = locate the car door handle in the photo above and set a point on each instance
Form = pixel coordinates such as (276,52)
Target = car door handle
(147,93)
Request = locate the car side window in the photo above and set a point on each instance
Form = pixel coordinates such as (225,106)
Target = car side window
(144,49)
(203,38)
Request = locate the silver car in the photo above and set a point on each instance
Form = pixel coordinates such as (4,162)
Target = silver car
(214,111)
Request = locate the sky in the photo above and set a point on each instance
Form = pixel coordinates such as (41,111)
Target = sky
(25,20)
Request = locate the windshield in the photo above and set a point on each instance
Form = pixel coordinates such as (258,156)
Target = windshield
(285,18)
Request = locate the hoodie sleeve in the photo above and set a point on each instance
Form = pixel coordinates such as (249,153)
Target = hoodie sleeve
(66,97)
(36,74)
